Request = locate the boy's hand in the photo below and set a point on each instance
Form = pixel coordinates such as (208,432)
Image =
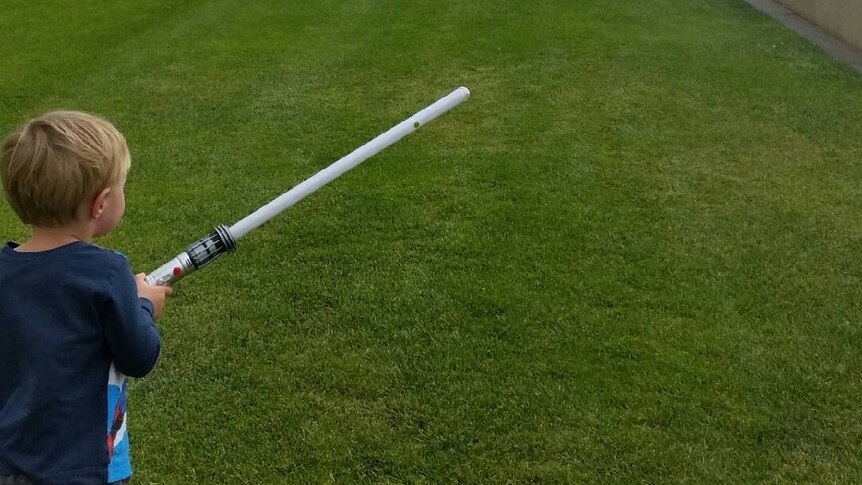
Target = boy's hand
(156,294)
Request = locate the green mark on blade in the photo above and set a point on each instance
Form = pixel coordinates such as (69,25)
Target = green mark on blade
(415,124)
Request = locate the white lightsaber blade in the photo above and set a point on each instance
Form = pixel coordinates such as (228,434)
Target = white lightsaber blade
(223,239)
(347,162)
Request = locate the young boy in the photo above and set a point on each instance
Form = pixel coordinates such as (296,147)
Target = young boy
(74,321)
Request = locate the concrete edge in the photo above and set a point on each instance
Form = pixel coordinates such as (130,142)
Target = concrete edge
(829,43)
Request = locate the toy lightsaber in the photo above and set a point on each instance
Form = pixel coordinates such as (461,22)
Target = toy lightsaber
(223,239)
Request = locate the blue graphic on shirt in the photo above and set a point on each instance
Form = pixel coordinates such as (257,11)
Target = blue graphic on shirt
(119,466)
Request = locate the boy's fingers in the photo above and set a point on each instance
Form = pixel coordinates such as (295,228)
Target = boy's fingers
(168,290)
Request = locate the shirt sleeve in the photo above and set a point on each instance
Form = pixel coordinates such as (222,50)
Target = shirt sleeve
(129,325)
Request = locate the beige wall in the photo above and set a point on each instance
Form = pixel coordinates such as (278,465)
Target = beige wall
(841,17)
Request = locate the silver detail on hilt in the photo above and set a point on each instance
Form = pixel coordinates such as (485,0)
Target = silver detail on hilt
(171,271)
(196,256)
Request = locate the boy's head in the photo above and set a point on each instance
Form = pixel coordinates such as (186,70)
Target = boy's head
(58,165)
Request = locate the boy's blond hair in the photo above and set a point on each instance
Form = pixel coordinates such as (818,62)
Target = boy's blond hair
(56,162)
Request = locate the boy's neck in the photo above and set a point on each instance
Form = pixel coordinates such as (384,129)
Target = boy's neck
(47,238)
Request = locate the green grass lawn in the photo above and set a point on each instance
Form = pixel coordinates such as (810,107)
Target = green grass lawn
(633,256)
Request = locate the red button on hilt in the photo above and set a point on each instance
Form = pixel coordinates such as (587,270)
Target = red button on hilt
(177,271)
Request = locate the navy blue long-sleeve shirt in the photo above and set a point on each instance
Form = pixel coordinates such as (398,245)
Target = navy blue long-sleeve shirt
(71,328)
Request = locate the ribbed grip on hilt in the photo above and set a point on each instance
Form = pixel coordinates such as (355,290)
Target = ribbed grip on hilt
(204,250)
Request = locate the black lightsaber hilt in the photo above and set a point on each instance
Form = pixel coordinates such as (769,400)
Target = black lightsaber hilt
(199,254)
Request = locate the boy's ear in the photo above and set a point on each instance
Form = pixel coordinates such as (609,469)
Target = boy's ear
(98,206)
